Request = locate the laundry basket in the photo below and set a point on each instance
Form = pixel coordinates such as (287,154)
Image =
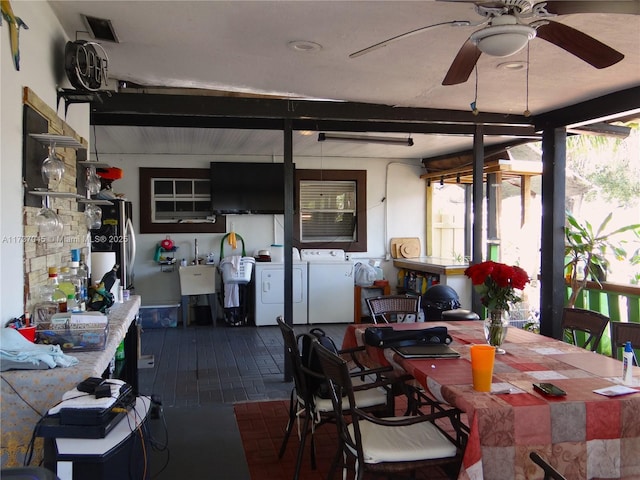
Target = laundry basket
(242,274)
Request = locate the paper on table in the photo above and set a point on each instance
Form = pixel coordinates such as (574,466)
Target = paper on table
(546,375)
(615,390)
(503,388)
(547,351)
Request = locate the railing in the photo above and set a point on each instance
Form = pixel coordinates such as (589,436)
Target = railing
(620,302)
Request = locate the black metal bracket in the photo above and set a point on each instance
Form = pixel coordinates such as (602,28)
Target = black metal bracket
(72,96)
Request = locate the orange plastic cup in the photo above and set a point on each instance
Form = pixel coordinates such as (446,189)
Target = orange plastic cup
(482,359)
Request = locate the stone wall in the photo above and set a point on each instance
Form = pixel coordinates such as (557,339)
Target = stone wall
(40,253)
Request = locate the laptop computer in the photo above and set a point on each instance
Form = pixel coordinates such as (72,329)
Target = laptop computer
(427,351)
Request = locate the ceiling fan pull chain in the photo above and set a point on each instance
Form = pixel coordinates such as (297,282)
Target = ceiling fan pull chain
(474,108)
(527,112)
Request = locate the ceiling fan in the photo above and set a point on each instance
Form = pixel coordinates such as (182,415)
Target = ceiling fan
(508,33)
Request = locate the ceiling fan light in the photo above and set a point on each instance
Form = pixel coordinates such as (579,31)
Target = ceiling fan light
(503,40)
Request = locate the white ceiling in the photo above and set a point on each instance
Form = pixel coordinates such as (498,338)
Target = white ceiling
(242,46)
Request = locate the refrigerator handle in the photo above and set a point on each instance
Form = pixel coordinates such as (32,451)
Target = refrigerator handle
(131,235)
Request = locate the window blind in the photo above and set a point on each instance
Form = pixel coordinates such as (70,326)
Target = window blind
(327,210)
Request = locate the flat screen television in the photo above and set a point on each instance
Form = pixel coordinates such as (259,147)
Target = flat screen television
(247,187)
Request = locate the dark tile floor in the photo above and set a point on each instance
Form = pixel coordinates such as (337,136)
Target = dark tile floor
(202,364)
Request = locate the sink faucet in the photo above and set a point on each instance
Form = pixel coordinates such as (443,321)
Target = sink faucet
(195,261)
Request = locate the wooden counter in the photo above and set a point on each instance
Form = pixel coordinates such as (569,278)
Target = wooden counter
(449,273)
(437,265)
(27,395)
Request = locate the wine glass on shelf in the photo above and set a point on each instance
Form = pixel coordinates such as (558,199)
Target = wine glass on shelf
(92,183)
(52,168)
(93,216)
(47,220)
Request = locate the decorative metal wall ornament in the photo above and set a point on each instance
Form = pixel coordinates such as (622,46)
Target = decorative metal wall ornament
(86,64)
(14,30)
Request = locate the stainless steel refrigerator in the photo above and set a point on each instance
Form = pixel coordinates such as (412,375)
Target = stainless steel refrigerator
(117,235)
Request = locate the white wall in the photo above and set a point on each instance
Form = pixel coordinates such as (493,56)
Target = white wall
(38,72)
(388,181)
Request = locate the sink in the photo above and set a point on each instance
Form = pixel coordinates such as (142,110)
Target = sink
(197,279)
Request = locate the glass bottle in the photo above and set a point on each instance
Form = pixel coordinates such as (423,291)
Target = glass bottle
(66,281)
(57,295)
(80,283)
(83,271)
(72,303)
(44,307)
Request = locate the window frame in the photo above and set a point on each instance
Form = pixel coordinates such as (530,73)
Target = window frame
(146,177)
(360,179)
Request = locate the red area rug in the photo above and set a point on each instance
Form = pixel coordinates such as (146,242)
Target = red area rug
(262,426)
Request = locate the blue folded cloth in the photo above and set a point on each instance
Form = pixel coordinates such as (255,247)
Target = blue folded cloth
(18,352)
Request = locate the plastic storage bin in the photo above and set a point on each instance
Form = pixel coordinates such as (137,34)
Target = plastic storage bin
(74,338)
(159,316)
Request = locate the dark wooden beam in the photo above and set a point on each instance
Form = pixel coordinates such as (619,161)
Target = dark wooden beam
(477,203)
(132,109)
(552,285)
(614,105)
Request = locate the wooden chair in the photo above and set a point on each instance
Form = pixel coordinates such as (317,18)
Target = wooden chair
(391,445)
(393,308)
(591,323)
(550,473)
(622,332)
(375,395)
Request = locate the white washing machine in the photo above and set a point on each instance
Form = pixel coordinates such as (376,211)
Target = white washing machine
(269,292)
(331,285)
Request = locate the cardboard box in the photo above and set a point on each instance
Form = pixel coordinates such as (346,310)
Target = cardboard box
(159,316)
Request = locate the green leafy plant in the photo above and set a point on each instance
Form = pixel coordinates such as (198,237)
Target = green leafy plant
(586,252)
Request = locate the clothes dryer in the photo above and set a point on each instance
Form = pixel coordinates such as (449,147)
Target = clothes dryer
(331,285)
(269,292)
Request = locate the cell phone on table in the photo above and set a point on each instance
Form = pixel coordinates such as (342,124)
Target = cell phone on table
(549,389)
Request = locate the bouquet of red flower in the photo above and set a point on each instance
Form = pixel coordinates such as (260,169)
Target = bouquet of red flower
(496,283)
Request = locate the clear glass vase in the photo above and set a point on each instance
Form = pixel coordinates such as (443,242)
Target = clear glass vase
(495,328)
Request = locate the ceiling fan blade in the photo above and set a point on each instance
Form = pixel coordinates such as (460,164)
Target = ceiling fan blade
(560,7)
(384,43)
(463,64)
(583,46)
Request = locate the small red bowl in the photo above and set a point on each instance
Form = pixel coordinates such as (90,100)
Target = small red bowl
(29,333)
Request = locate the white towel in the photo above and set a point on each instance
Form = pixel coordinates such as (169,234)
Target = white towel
(231,295)
(16,348)
(231,290)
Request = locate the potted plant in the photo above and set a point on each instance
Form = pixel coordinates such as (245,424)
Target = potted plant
(586,250)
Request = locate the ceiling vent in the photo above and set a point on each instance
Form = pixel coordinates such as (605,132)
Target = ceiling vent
(101,29)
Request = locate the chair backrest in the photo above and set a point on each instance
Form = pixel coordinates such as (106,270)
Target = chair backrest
(336,371)
(589,322)
(550,473)
(622,332)
(300,377)
(390,308)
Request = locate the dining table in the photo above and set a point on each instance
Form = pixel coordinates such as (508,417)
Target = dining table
(583,434)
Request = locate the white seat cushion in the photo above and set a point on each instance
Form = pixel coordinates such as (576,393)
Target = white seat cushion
(420,441)
(364,398)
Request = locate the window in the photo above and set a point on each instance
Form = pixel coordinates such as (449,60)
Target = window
(331,209)
(177,200)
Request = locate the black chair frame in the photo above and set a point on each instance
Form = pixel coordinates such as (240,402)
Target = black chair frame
(592,324)
(550,473)
(302,399)
(350,448)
